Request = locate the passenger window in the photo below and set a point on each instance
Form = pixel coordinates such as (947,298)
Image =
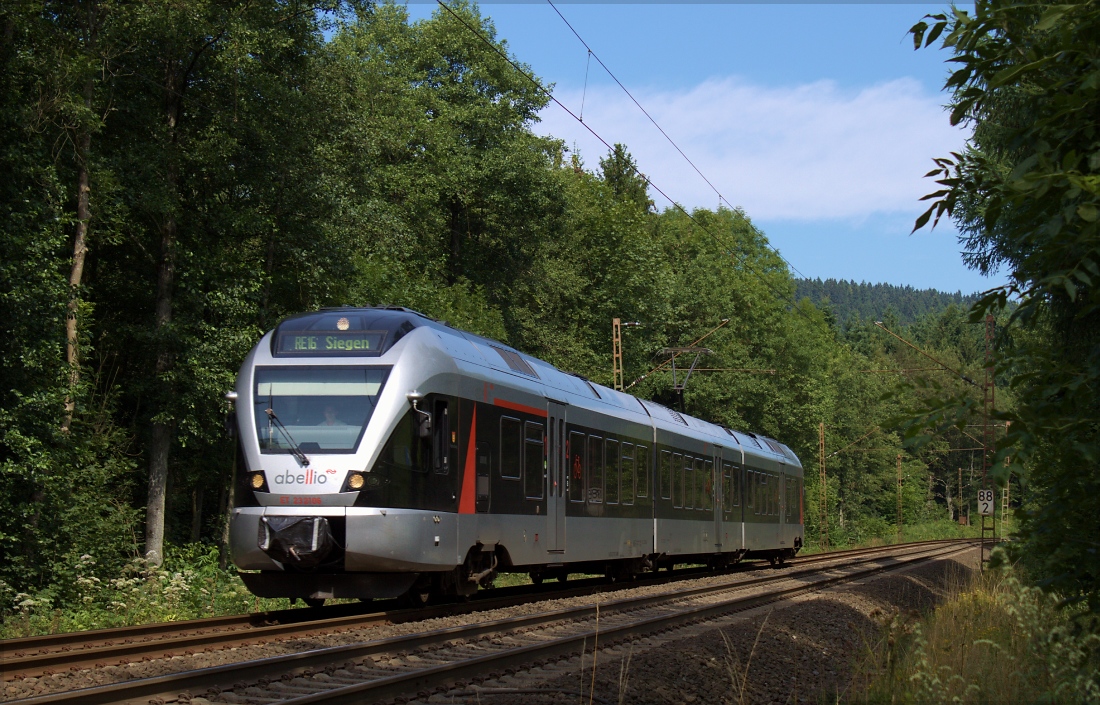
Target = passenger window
(627,485)
(727,485)
(750,486)
(641,473)
(595,469)
(511,448)
(666,475)
(611,468)
(534,461)
(708,485)
(576,467)
(443,443)
(689,482)
(678,480)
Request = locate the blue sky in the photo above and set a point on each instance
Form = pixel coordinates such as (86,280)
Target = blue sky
(818,120)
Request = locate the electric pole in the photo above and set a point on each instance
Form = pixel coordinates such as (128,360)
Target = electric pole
(617,354)
(899,496)
(824,488)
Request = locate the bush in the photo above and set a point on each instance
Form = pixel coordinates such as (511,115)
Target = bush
(995,640)
(189,585)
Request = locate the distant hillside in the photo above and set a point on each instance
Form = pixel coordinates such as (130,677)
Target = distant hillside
(870,301)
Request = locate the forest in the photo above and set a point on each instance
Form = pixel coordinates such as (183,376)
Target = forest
(179,177)
(848,299)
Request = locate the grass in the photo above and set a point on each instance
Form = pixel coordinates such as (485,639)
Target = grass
(993,640)
(886,534)
(190,585)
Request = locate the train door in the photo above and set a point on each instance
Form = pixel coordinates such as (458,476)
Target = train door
(781,501)
(714,483)
(555,476)
(731,506)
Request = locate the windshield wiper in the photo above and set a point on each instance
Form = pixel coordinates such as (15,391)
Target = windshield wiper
(294,449)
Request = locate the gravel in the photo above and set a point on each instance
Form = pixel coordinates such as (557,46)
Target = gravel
(797,652)
(801,652)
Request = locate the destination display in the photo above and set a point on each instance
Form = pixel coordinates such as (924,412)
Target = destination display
(358,342)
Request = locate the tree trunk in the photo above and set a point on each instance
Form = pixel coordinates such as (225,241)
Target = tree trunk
(196,514)
(227,513)
(455,264)
(76,274)
(161,440)
(83,215)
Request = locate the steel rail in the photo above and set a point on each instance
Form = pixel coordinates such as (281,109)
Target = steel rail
(166,687)
(32,657)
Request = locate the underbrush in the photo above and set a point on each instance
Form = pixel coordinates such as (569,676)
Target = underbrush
(878,532)
(993,640)
(189,585)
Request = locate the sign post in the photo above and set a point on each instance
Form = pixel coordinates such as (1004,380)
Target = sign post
(986,507)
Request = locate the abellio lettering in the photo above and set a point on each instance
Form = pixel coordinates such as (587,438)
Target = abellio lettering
(309,477)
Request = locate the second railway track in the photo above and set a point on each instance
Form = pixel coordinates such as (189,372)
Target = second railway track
(38,656)
(381,669)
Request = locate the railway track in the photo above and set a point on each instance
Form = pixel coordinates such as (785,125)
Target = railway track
(416,663)
(38,656)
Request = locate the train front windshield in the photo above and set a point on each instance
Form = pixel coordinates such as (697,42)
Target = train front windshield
(318,409)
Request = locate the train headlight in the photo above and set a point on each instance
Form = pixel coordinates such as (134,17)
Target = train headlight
(257,480)
(355,481)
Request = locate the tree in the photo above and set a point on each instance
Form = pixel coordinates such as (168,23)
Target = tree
(1026,195)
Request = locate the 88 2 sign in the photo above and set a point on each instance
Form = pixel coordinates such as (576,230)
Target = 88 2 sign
(985,502)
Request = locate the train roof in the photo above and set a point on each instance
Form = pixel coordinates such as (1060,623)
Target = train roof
(373,331)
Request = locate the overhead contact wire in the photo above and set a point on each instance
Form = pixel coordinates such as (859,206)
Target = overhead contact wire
(645,112)
(605,143)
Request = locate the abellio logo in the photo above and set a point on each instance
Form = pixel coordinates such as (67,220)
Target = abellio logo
(309,477)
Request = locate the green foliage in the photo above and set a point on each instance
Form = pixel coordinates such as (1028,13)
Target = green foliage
(189,585)
(994,640)
(246,162)
(848,300)
(1025,195)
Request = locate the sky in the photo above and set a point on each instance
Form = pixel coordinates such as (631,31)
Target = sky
(818,120)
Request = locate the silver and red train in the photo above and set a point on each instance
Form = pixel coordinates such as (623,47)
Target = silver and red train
(383,453)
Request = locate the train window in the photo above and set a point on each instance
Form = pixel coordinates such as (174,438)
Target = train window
(626,486)
(700,483)
(708,484)
(595,469)
(689,482)
(441,449)
(666,475)
(677,480)
(727,485)
(750,486)
(511,447)
(641,471)
(576,467)
(319,409)
(534,461)
(611,471)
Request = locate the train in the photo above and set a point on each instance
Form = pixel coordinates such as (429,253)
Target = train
(385,454)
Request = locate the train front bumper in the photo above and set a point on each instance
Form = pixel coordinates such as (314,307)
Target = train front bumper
(374,540)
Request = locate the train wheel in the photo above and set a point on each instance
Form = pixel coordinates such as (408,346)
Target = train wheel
(314,602)
(774,560)
(562,576)
(536,578)
(419,594)
(417,597)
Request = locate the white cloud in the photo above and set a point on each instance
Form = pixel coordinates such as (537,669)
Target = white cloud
(805,152)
